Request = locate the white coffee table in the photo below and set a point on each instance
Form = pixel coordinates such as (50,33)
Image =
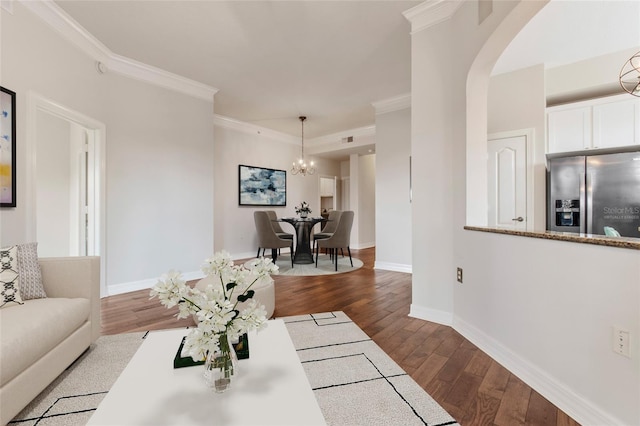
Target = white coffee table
(271,387)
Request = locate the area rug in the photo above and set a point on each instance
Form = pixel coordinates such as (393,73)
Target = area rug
(354,381)
(325,266)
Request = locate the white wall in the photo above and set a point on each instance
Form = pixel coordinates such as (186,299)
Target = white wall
(159,181)
(580,79)
(520,302)
(366,202)
(546,311)
(393,206)
(432,175)
(516,106)
(159,154)
(234,225)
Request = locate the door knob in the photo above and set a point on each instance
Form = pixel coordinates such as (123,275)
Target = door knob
(518,219)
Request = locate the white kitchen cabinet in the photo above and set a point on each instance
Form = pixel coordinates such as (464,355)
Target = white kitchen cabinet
(326,187)
(616,123)
(569,129)
(599,123)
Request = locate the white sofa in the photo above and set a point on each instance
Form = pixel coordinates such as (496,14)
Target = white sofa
(42,337)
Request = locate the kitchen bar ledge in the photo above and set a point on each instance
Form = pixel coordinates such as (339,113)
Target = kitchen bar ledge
(601,240)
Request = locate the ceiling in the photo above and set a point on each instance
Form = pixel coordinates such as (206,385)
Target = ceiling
(568,31)
(273,61)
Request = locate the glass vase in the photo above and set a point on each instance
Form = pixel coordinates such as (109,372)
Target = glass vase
(221,366)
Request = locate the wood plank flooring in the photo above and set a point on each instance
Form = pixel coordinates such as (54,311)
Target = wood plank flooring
(474,388)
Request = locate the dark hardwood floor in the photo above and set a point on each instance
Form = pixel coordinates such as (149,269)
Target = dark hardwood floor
(475,389)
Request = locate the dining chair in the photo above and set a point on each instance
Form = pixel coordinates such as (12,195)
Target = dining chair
(267,237)
(340,239)
(328,229)
(276,226)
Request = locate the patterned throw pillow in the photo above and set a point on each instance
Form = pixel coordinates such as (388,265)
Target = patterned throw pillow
(9,278)
(31,286)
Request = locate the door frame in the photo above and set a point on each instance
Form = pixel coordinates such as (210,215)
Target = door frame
(529,135)
(335,190)
(35,103)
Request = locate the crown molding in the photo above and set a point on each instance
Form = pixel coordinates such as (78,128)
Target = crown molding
(430,13)
(252,129)
(7,5)
(65,25)
(360,132)
(392,104)
(159,77)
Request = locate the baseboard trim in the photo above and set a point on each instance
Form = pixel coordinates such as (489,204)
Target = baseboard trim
(364,245)
(122,288)
(583,411)
(433,315)
(396,267)
(114,289)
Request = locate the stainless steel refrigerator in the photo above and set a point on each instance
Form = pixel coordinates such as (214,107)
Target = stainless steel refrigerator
(595,194)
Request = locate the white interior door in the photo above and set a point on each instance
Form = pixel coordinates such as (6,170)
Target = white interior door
(507,179)
(82,221)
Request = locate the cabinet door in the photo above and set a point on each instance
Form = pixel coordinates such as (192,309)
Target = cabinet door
(569,130)
(616,124)
(326,187)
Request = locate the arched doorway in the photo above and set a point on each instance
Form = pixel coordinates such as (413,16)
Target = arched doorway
(476,106)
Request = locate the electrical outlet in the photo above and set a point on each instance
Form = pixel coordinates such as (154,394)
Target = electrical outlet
(621,342)
(459,275)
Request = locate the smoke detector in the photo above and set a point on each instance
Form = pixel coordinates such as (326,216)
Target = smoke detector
(348,139)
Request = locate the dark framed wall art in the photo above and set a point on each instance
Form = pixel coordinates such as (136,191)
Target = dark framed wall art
(259,186)
(7,148)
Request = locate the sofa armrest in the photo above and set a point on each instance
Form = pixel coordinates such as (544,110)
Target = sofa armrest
(74,277)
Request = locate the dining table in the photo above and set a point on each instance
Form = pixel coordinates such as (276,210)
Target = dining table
(303,227)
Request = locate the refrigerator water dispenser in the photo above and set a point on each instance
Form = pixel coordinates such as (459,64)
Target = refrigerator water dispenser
(567,212)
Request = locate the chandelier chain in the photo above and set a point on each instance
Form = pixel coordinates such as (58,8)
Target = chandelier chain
(301,167)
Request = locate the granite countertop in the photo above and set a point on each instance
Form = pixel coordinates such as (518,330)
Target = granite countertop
(601,240)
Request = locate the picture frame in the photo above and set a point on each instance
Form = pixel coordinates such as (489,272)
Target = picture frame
(7,148)
(260,186)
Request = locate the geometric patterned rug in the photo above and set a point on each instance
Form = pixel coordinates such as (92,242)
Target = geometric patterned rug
(354,381)
(73,397)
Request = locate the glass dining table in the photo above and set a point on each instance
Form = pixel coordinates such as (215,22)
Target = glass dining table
(303,227)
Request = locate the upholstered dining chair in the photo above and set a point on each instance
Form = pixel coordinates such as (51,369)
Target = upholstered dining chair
(267,237)
(340,239)
(276,226)
(329,228)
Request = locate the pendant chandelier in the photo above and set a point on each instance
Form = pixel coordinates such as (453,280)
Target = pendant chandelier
(301,166)
(630,75)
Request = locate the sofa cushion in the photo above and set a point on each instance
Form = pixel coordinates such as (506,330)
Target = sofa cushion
(31,286)
(31,330)
(9,277)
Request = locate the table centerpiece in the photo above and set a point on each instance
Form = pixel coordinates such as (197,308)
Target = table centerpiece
(219,321)
(303,209)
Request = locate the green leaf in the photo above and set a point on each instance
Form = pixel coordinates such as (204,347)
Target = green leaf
(231,285)
(247,296)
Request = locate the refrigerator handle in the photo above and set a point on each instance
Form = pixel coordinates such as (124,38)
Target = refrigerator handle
(583,199)
(589,196)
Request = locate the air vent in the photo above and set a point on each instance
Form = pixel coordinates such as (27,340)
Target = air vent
(348,139)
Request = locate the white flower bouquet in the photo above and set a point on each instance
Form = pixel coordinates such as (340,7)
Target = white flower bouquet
(303,209)
(216,307)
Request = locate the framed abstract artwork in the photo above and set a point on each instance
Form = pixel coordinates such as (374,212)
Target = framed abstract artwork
(259,186)
(7,148)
